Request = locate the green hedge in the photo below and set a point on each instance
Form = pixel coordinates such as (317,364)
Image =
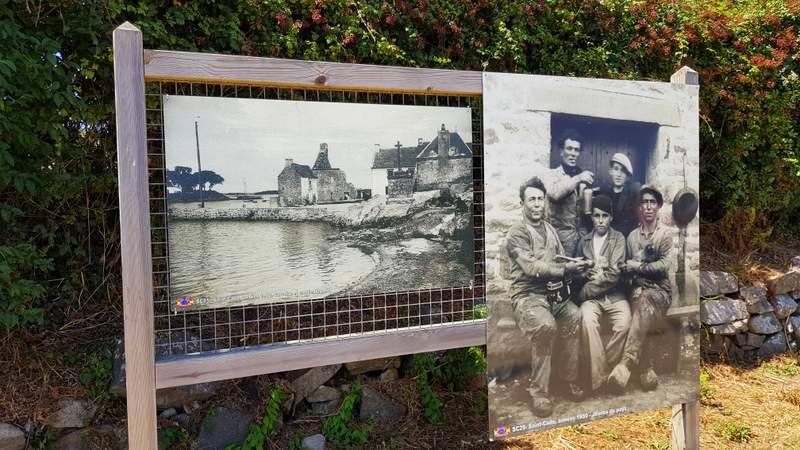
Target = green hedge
(59,252)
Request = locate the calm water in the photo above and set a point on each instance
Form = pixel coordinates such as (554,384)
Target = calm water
(231,263)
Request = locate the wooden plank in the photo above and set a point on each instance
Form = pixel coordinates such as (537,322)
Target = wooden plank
(134,211)
(686,417)
(161,65)
(686,426)
(200,368)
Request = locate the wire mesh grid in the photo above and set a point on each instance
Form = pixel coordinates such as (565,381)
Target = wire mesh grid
(190,331)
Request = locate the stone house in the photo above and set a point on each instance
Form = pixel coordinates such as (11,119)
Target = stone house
(297,185)
(444,162)
(332,185)
(387,159)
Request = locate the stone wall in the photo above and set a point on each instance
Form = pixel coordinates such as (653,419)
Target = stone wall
(401,186)
(290,191)
(332,186)
(435,174)
(748,321)
(298,214)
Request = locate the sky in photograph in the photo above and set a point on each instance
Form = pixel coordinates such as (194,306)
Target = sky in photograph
(248,140)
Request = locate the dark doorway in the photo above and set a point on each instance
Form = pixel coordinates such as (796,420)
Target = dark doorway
(602,138)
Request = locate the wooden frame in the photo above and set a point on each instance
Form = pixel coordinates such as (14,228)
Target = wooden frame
(133,66)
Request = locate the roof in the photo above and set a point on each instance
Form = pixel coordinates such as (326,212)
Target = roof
(301,170)
(386,158)
(460,149)
(322,162)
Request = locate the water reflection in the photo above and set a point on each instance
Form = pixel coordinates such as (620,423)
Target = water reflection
(244,262)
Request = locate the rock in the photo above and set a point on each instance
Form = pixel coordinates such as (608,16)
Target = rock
(755,297)
(228,426)
(764,324)
(717,344)
(182,419)
(715,312)
(191,407)
(754,340)
(795,264)
(11,437)
(326,408)
(167,413)
(184,395)
(784,306)
(315,442)
(375,406)
(715,283)
(77,440)
(773,345)
(729,328)
(795,294)
(389,374)
(323,394)
(72,413)
(794,326)
(372,365)
(785,283)
(92,438)
(308,382)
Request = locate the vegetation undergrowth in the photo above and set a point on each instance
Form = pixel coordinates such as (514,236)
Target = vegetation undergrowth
(338,429)
(259,434)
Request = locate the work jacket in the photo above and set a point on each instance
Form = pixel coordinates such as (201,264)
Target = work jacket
(606,284)
(564,205)
(654,251)
(532,260)
(626,207)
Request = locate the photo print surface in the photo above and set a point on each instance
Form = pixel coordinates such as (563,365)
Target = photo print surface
(273,200)
(592,249)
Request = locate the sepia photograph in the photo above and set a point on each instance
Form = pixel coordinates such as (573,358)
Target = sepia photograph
(592,249)
(276,200)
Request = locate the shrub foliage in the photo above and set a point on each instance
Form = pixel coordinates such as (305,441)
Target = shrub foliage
(59,251)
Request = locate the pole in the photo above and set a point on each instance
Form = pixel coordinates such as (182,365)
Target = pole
(199,168)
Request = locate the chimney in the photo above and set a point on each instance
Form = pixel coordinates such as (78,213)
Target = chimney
(323,148)
(443,145)
(419,142)
(289,162)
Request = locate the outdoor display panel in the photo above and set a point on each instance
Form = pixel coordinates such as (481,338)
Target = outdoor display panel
(591,248)
(277,200)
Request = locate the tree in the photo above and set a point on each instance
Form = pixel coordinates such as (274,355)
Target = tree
(183,177)
(210,178)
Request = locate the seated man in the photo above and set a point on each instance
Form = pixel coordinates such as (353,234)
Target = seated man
(540,296)
(648,266)
(603,294)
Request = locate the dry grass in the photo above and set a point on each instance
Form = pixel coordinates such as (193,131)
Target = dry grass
(764,399)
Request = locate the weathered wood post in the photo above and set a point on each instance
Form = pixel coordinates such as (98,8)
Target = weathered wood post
(686,417)
(134,215)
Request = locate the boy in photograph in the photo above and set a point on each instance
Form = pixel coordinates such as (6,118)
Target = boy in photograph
(624,194)
(564,193)
(540,296)
(603,294)
(648,266)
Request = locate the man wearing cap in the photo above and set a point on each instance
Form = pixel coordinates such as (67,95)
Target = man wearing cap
(564,193)
(648,266)
(541,298)
(603,294)
(624,194)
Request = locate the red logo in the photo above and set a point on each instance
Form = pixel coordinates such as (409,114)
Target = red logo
(501,431)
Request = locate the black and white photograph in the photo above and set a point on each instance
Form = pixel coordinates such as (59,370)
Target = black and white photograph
(277,200)
(592,249)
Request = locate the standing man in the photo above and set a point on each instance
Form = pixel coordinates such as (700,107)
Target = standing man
(568,182)
(541,298)
(603,294)
(648,265)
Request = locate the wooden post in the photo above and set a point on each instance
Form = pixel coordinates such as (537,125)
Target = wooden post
(134,214)
(686,417)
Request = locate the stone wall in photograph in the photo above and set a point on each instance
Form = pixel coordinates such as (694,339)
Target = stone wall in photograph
(749,321)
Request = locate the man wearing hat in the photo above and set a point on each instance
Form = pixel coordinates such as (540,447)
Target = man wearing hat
(648,266)
(541,297)
(564,191)
(624,194)
(603,294)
